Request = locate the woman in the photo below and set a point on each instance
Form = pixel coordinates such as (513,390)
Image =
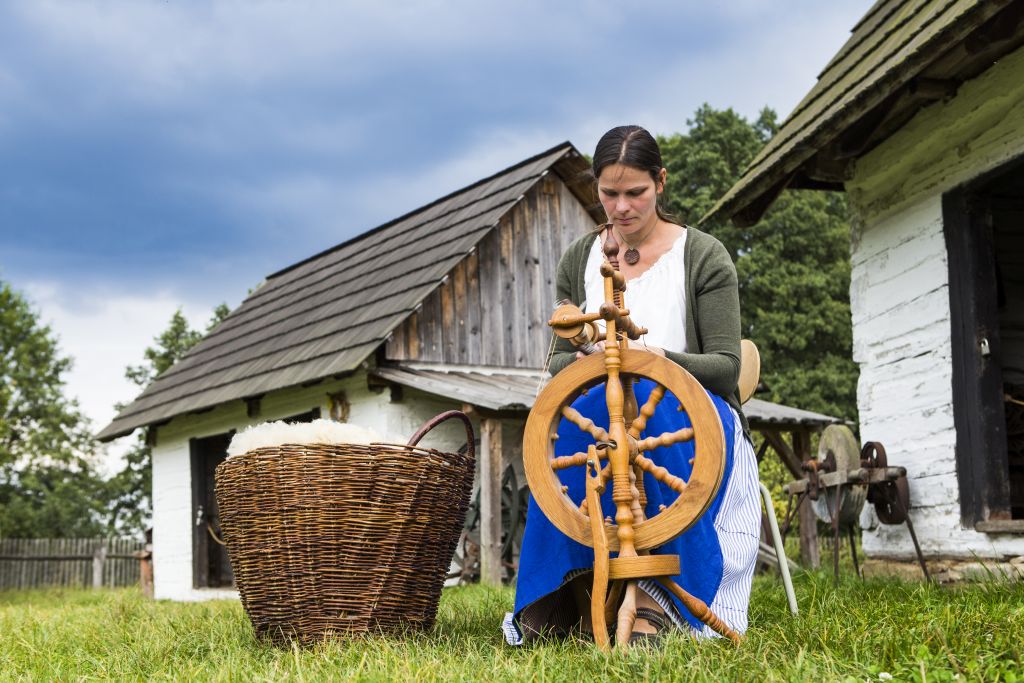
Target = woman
(682,286)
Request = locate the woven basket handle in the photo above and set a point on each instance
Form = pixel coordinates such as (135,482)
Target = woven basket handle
(434,421)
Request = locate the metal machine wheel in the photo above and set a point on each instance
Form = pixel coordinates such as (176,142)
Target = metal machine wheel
(891,498)
(838,451)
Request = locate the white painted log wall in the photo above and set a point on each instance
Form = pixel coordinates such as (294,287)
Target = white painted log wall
(899,296)
(172,488)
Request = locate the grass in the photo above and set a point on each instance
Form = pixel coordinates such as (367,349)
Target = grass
(856,631)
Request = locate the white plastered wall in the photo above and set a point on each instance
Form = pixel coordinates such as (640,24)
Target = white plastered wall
(899,296)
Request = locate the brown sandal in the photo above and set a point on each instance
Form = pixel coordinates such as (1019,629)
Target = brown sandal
(659,620)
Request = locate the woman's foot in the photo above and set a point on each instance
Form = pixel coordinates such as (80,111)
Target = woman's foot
(651,621)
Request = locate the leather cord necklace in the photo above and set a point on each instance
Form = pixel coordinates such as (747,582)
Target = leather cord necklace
(632,255)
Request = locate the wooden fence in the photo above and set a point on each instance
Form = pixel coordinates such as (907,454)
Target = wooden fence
(77,562)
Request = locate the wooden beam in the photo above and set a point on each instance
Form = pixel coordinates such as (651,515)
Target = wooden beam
(1001,526)
(786,454)
(932,89)
(824,169)
(490,501)
(810,553)
(753,211)
(859,475)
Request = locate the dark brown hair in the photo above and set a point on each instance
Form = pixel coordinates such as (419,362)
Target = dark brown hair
(631,146)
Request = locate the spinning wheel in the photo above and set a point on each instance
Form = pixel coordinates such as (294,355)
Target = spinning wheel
(696,494)
(619,456)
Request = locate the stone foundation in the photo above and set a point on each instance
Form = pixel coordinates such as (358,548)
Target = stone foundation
(948,571)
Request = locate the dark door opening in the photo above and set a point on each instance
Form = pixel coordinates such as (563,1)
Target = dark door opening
(211,567)
(984,226)
(1008,239)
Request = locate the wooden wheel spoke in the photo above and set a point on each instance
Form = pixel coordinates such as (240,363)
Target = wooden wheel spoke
(640,423)
(665,439)
(584,423)
(564,461)
(660,473)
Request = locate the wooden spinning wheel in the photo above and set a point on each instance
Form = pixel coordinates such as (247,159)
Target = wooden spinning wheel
(696,493)
(619,456)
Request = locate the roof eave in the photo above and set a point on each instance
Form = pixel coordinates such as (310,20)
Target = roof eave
(748,199)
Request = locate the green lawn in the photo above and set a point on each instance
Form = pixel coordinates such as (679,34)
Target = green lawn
(858,631)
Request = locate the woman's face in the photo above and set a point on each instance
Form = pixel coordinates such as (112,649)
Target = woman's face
(629,196)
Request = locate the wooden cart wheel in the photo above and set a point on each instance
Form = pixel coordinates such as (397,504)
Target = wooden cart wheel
(695,495)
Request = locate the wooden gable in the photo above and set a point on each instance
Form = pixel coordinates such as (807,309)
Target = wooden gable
(492,308)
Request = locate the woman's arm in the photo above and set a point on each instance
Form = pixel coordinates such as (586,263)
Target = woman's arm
(717,316)
(563,352)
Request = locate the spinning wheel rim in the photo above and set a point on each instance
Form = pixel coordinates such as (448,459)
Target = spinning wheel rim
(709,444)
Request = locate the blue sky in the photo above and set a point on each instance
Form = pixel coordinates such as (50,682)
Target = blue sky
(164,154)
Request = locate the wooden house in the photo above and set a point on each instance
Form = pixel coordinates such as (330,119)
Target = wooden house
(920,119)
(445,307)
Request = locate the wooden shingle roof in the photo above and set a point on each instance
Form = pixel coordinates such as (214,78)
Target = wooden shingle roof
(325,315)
(902,55)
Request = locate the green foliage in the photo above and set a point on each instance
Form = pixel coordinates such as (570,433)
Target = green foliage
(857,631)
(793,265)
(130,490)
(48,481)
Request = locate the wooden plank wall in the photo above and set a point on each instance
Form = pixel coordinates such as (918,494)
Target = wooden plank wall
(67,562)
(494,306)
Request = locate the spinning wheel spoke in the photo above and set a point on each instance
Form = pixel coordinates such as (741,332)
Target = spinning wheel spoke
(665,439)
(564,461)
(584,423)
(660,473)
(640,423)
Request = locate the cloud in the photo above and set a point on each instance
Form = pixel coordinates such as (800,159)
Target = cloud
(163,154)
(105,331)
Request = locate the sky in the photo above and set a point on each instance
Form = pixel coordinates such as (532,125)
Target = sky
(171,154)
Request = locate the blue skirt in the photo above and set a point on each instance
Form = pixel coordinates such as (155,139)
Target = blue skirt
(548,558)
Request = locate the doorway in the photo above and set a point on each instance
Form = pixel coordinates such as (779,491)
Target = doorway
(984,227)
(211,567)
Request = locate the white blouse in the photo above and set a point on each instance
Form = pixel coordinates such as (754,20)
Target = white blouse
(656,299)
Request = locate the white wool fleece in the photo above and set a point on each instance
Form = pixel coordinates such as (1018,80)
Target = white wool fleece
(269,434)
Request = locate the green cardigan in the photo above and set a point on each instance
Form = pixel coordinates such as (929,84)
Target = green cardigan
(712,313)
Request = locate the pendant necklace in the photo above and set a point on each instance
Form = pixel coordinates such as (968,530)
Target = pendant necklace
(632,255)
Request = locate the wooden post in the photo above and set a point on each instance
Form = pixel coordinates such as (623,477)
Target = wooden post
(490,501)
(145,557)
(809,552)
(99,557)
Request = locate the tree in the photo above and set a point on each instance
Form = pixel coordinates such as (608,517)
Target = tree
(49,485)
(793,265)
(130,490)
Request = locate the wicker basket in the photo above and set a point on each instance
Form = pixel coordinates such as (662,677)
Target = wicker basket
(340,540)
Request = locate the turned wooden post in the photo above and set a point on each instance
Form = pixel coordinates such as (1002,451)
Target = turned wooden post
(490,501)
